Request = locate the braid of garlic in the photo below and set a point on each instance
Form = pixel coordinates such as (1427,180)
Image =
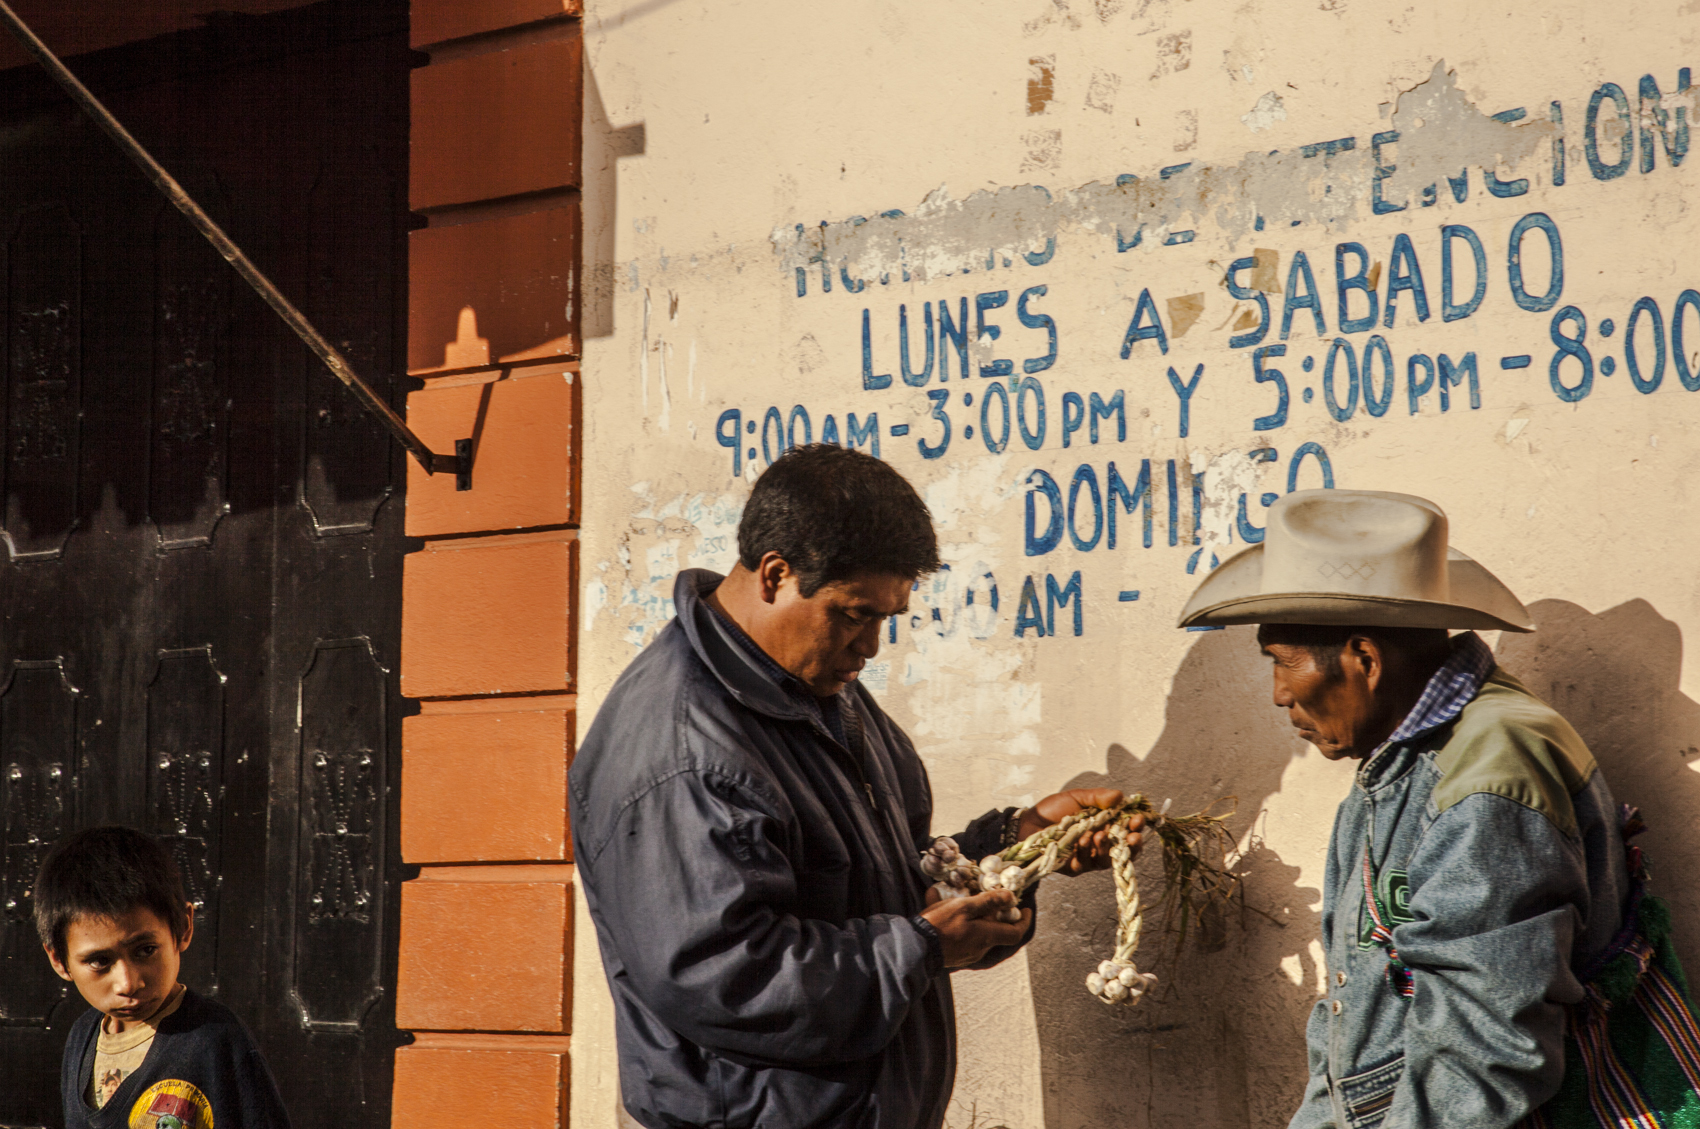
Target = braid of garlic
(1118,980)
(1045,852)
(1128,912)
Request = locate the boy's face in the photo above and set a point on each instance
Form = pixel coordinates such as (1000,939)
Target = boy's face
(126,966)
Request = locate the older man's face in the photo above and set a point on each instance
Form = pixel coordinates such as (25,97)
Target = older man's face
(1335,710)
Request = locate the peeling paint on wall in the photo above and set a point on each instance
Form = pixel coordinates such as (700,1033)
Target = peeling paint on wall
(661,538)
(1440,132)
(1041,83)
(1266,113)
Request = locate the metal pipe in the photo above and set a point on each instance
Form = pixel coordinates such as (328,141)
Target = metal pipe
(167,184)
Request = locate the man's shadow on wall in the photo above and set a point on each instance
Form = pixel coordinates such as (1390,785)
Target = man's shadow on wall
(1617,677)
(1221,1043)
(1224,1046)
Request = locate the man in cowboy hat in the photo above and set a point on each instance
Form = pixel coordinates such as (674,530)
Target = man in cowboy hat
(1477,868)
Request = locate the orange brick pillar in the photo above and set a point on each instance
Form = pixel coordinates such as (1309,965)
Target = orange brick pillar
(490,599)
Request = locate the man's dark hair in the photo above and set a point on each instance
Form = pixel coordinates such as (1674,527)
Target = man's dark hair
(833,513)
(106,872)
(1418,645)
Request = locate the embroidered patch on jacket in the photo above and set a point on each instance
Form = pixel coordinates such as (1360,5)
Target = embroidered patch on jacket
(1393,889)
(172,1104)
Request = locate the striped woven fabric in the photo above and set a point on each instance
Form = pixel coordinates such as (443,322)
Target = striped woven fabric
(1632,1046)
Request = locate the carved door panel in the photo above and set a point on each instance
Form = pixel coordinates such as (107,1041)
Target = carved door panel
(43,380)
(200,533)
(38,755)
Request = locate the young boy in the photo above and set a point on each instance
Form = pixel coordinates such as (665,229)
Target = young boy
(153,1054)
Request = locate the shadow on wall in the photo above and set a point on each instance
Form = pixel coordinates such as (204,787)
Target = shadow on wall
(1223,1043)
(604,145)
(1617,677)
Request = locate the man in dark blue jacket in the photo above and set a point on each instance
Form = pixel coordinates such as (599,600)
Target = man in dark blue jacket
(746,824)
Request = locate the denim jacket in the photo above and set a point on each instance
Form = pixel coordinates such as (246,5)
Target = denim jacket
(1495,851)
(753,885)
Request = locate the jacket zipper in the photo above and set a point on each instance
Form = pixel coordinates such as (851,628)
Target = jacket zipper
(853,762)
(876,814)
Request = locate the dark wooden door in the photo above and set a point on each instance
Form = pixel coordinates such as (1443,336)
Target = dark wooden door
(201,559)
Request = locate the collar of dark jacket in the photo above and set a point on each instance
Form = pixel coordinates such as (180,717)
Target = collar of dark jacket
(736,668)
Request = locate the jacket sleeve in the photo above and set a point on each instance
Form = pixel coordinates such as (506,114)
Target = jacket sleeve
(984,836)
(685,890)
(1497,893)
(244,1094)
(262,1106)
(1317,1110)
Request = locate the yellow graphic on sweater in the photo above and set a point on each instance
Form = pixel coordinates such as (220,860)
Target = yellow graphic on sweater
(172,1104)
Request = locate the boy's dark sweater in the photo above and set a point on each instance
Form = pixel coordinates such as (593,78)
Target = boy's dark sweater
(202,1043)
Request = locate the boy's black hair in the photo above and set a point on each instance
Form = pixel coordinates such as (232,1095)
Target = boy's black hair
(106,872)
(833,513)
(1326,642)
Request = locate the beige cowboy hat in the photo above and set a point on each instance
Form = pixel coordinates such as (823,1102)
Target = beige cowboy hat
(1355,558)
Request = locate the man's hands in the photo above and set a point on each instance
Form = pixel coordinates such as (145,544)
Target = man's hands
(969,927)
(1093,852)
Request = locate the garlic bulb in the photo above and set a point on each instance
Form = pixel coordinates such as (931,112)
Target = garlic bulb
(1119,982)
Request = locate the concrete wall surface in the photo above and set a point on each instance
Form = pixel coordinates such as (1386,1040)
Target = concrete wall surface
(1104,278)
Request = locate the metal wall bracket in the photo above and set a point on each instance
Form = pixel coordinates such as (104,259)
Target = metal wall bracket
(460,463)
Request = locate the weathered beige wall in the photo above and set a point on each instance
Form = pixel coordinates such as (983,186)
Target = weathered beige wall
(716,129)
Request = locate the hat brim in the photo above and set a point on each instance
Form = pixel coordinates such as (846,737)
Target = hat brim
(1231,595)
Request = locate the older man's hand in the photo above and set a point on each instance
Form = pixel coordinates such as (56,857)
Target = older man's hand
(1093,852)
(969,927)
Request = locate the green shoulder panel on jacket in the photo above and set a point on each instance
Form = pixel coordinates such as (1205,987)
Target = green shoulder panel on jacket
(1509,743)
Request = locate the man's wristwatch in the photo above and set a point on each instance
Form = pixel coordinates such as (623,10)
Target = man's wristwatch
(935,944)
